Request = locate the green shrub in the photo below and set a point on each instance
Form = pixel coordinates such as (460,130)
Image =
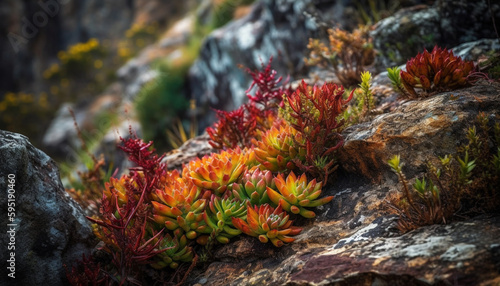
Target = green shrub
(161,101)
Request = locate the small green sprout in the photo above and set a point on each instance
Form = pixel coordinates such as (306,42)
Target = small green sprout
(394,75)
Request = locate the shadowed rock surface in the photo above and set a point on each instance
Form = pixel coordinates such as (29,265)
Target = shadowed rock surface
(51,230)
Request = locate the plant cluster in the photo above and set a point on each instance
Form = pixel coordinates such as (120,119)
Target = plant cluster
(156,218)
(461,185)
(432,72)
(285,129)
(238,127)
(314,112)
(364,101)
(347,53)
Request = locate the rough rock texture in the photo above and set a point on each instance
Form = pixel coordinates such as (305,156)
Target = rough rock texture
(417,130)
(462,252)
(447,23)
(50,228)
(354,240)
(190,150)
(472,51)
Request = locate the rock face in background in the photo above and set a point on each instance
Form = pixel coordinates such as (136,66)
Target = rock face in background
(273,28)
(447,24)
(354,240)
(51,230)
(282,29)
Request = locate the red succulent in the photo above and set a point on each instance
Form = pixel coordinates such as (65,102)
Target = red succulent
(269,91)
(314,112)
(234,128)
(438,70)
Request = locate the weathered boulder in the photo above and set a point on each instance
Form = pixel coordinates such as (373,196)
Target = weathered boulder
(354,240)
(418,130)
(447,24)
(462,252)
(48,230)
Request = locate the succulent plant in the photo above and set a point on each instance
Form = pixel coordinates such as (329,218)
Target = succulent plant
(179,207)
(314,112)
(116,188)
(347,53)
(217,172)
(176,250)
(234,128)
(267,223)
(277,149)
(252,186)
(250,120)
(296,194)
(218,216)
(269,91)
(438,70)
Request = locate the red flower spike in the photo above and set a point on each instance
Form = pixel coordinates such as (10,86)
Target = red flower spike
(149,164)
(233,129)
(269,93)
(237,128)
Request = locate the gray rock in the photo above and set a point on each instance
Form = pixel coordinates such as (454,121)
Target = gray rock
(193,148)
(50,228)
(428,256)
(471,51)
(273,28)
(61,134)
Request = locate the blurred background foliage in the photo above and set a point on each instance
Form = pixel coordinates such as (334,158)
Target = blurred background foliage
(87,66)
